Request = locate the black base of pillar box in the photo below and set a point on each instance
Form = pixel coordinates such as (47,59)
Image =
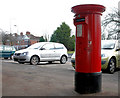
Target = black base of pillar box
(86,83)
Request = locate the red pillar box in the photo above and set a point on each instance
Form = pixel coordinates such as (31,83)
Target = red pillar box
(88,47)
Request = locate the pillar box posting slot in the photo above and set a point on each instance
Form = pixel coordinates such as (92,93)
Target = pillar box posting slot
(88,47)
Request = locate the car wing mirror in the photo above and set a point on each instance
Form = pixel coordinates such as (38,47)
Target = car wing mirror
(42,48)
(117,49)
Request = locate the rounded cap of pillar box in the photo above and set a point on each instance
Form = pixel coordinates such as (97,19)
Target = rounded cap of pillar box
(88,8)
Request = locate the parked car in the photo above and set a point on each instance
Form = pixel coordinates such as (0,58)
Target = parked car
(42,51)
(73,60)
(7,51)
(110,55)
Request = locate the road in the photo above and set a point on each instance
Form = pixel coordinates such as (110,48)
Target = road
(48,80)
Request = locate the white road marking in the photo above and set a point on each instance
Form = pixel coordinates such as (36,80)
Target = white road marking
(71,69)
(9,61)
(47,65)
(44,64)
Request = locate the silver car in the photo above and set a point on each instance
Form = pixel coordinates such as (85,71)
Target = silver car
(42,51)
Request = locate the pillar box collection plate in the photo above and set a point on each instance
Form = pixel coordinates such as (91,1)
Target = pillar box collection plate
(88,47)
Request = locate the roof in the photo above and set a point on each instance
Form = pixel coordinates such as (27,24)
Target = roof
(25,37)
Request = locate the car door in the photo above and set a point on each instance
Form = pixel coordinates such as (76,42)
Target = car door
(119,56)
(7,51)
(47,52)
(118,53)
(59,49)
(1,49)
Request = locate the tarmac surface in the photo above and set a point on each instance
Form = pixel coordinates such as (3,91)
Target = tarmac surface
(48,80)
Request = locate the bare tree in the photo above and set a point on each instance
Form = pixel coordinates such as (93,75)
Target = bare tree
(111,23)
(3,37)
(12,39)
(103,36)
(46,37)
(7,38)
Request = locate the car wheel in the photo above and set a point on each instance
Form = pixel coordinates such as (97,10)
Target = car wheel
(50,62)
(111,66)
(11,57)
(21,62)
(74,67)
(5,57)
(34,60)
(63,59)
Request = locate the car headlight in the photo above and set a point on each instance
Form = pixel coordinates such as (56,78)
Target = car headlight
(24,53)
(104,55)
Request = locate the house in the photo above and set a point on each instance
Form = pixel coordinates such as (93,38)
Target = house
(19,41)
(26,40)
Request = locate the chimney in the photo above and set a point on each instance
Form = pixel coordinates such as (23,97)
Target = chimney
(16,34)
(27,33)
(21,33)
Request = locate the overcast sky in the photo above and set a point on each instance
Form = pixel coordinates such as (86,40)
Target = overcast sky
(42,16)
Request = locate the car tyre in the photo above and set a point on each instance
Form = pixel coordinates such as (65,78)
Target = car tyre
(11,57)
(63,59)
(74,67)
(50,62)
(21,62)
(111,66)
(34,60)
(5,57)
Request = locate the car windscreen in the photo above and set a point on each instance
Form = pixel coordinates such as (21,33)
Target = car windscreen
(1,47)
(35,46)
(106,45)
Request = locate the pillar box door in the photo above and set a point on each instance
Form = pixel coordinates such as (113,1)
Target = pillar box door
(88,47)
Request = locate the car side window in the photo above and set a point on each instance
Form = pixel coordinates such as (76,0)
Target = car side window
(117,48)
(48,47)
(13,49)
(59,46)
(1,48)
(8,48)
